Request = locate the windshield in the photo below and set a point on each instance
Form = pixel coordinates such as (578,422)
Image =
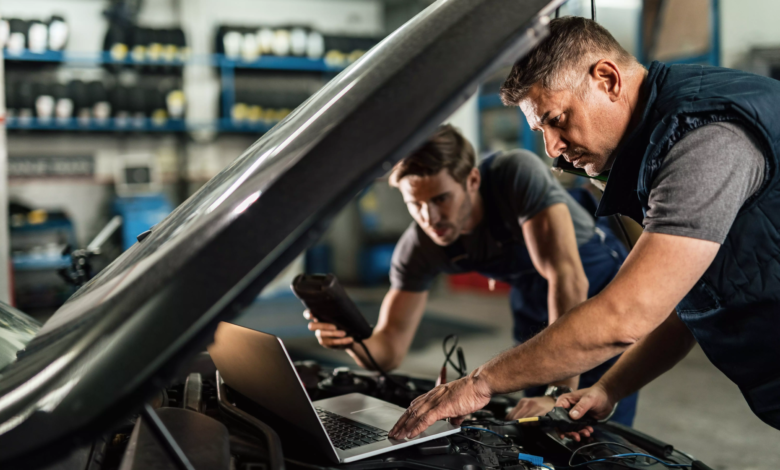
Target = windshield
(123,334)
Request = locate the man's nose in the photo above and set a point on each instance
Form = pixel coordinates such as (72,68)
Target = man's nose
(429,214)
(554,145)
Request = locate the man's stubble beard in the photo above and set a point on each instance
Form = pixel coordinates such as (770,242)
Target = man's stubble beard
(601,163)
(464,214)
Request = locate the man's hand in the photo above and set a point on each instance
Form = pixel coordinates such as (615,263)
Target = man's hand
(328,335)
(453,400)
(531,406)
(594,400)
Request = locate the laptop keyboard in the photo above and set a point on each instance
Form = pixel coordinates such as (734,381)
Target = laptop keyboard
(347,434)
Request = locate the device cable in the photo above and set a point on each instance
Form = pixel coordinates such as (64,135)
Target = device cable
(586,446)
(631,455)
(379,369)
(460,368)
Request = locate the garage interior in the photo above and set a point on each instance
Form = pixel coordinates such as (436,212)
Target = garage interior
(117,111)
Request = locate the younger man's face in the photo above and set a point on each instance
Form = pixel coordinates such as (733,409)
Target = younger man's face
(440,205)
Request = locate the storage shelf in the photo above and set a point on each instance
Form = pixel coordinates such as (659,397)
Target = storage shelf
(225,64)
(173,125)
(84,58)
(32,262)
(269,62)
(111,125)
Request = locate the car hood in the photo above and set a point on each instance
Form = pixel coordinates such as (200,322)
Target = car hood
(123,335)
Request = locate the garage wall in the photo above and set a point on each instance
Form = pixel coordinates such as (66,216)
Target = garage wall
(745,24)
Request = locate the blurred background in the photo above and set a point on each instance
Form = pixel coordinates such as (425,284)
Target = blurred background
(116,111)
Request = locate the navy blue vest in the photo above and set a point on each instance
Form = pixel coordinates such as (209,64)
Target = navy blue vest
(734,309)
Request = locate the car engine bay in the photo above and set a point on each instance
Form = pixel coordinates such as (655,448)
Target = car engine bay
(217,428)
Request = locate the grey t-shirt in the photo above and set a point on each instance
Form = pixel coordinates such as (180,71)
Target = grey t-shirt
(523,186)
(705,179)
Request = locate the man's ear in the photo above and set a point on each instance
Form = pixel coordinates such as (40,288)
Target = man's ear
(608,78)
(473,180)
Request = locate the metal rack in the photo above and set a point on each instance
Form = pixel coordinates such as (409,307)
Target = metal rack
(226,66)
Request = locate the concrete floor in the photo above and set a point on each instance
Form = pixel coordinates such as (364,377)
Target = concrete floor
(693,407)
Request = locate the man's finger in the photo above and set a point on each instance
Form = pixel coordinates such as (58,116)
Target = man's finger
(424,422)
(565,401)
(401,421)
(396,430)
(321,326)
(457,421)
(582,407)
(331,333)
(307,314)
(408,420)
(341,343)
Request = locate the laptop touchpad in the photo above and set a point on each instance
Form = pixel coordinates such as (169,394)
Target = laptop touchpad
(381,416)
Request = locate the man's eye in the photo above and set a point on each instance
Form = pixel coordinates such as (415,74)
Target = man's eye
(556,119)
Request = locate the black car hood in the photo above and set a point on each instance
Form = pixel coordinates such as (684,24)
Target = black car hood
(123,335)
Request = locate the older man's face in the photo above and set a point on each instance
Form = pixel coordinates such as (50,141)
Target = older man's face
(584,130)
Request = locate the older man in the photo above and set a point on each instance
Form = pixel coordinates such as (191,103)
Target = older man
(693,156)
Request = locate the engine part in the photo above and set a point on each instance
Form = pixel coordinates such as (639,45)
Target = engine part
(205,442)
(343,381)
(193,392)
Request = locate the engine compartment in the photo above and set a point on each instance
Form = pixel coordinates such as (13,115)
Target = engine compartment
(217,428)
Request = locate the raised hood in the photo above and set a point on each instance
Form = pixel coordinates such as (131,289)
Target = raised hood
(122,336)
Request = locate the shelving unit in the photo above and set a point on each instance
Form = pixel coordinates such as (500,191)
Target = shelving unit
(86,58)
(111,125)
(33,262)
(226,66)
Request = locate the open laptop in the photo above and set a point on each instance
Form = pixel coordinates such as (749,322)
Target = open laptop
(349,427)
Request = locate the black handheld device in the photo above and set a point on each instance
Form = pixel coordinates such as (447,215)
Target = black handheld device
(327,300)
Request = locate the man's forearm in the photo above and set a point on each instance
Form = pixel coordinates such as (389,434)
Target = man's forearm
(577,342)
(660,270)
(647,359)
(566,291)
